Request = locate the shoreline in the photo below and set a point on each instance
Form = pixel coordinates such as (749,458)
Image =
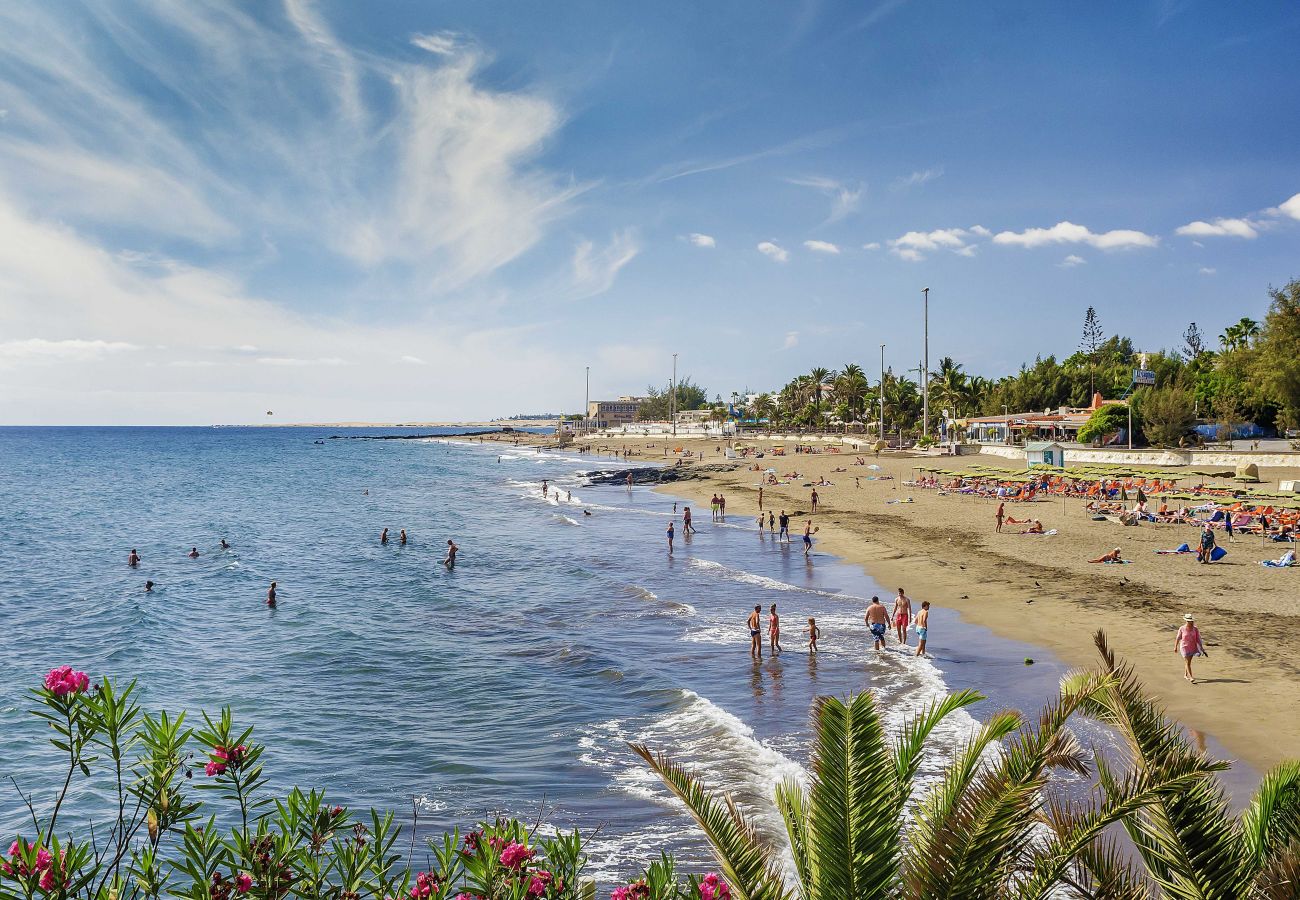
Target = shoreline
(1040,590)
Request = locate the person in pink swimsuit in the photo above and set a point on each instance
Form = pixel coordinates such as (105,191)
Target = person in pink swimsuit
(1188,643)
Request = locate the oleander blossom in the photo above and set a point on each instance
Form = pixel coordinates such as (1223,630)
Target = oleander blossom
(637,890)
(63,680)
(714,888)
(426,884)
(515,855)
(243,882)
(539,882)
(16,863)
(222,757)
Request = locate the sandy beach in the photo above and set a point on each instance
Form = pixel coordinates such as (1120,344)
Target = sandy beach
(1042,589)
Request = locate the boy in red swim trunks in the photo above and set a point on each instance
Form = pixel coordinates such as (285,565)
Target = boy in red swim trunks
(902,616)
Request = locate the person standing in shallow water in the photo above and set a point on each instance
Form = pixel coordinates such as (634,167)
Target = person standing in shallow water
(270,595)
(755,632)
(452,550)
(922,627)
(774,630)
(133,558)
(877,619)
(671,532)
(383,536)
(402,538)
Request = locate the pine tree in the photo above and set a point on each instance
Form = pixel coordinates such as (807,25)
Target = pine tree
(1194,343)
(1090,344)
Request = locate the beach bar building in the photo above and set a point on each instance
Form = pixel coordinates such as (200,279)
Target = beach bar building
(1044,453)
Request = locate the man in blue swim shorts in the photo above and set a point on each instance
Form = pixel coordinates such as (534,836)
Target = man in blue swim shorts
(877,619)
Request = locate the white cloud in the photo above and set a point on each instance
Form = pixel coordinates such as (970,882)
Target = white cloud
(981,231)
(845,199)
(822,247)
(298,361)
(594,270)
(73,349)
(913,245)
(773,251)
(443,43)
(1071,261)
(411,360)
(1219,228)
(917,178)
(1206,270)
(1290,207)
(873,245)
(701,240)
(791,340)
(1069,233)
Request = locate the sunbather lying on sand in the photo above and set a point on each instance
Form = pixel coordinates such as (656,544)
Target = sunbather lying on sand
(1012,520)
(1111,557)
(1035,527)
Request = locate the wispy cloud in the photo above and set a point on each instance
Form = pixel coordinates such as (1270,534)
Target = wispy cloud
(67,350)
(443,43)
(1069,233)
(1071,261)
(822,247)
(791,340)
(774,251)
(812,141)
(594,270)
(296,361)
(701,240)
(1206,270)
(411,360)
(871,245)
(913,245)
(1219,228)
(917,178)
(845,198)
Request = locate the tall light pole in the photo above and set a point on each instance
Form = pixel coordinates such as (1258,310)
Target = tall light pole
(882,393)
(586,410)
(672,401)
(925,368)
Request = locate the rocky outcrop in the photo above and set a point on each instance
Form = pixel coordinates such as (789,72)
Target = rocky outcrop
(655,474)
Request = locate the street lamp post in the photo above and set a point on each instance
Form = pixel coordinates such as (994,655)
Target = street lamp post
(882,392)
(925,370)
(672,400)
(1006,425)
(586,410)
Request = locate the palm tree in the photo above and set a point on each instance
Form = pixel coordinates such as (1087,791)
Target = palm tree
(763,407)
(948,384)
(975,836)
(1248,329)
(1189,842)
(1231,339)
(851,388)
(817,378)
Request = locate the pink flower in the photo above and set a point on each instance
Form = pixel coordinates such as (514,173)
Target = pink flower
(47,879)
(243,882)
(62,681)
(637,890)
(214,768)
(336,811)
(538,884)
(43,858)
(425,885)
(515,855)
(714,888)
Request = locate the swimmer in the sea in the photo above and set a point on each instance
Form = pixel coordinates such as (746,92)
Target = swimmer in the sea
(133,559)
(270,596)
(148,587)
(224,544)
(383,537)
(194,553)
(402,540)
(452,550)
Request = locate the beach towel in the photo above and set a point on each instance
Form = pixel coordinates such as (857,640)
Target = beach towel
(908,500)
(1181,548)
(1118,562)
(1038,533)
(1217,554)
(1285,561)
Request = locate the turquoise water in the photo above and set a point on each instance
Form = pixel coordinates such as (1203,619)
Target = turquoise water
(511,682)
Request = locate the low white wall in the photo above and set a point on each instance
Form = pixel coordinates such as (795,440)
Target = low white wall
(1075,455)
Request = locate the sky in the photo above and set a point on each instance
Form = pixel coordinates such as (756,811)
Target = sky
(407,210)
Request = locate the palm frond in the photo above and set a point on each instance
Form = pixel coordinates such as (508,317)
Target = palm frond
(1280,878)
(853,805)
(1272,820)
(908,747)
(792,802)
(935,825)
(746,864)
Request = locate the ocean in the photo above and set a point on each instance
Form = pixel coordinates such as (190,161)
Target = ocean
(509,685)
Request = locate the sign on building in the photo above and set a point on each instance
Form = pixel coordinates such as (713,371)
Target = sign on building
(1144,376)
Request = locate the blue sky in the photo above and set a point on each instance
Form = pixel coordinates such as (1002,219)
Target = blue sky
(417,210)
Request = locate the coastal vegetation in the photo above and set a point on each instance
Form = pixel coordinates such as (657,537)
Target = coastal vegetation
(1252,376)
(189,815)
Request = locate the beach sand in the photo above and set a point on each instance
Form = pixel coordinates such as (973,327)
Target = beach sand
(1041,589)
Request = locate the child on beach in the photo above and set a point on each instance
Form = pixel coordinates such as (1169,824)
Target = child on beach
(922,627)
(774,630)
(813,633)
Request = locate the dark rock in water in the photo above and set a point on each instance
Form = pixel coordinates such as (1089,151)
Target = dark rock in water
(416,437)
(655,474)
